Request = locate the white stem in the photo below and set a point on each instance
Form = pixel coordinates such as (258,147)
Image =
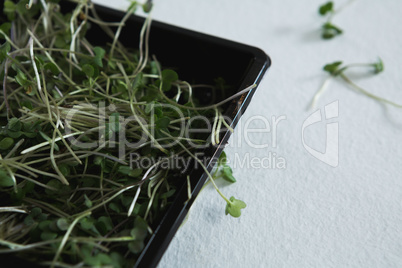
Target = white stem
(130,210)
(46,17)
(72,45)
(33,148)
(319,92)
(214,127)
(34,63)
(65,238)
(12,209)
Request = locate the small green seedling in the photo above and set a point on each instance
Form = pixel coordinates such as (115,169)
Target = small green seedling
(337,69)
(330,30)
(223,170)
(234,206)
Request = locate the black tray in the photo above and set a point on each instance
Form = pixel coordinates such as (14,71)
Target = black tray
(197,58)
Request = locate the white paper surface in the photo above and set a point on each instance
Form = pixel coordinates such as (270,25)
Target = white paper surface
(308,214)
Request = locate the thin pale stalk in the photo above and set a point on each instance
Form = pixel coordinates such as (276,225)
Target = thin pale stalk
(67,234)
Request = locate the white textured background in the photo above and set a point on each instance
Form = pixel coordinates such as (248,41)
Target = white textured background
(308,214)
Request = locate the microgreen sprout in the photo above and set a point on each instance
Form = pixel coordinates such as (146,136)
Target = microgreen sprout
(222,170)
(233,205)
(329,29)
(337,69)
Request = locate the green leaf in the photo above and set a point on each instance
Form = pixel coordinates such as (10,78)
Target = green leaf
(62,224)
(149,107)
(5,179)
(54,183)
(136,246)
(104,258)
(168,76)
(4,49)
(31,91)
(88,70)
(154,67)
(227,174)
(21,8)
(30,134)
(117,260)
(21,78)
(14,124)
(326,8)
(333,68)
(107,222)
(162,122)
(129,171)
(5,27)
(222,159)
(137,82)
(153,94)
(47,235)
(115,207)
(139,233)
(46,137)
(135,172)
(9,9)
(92,261)
(330,30)
(36,212)
(98,160)
(60,42)
(147,6)
(88,202)
(96,260)
(30,129)
(27,104)
(87,223)
(111,64)
(39,61)
(101,227)
(64,169)
(29,220)
(378,66)
(140,223)
(30,126)
(133,6)
(44,225)
(52,68)
(234,206)
(158,110)
(6,143)
(99,54)
(168,194)
(14,134)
